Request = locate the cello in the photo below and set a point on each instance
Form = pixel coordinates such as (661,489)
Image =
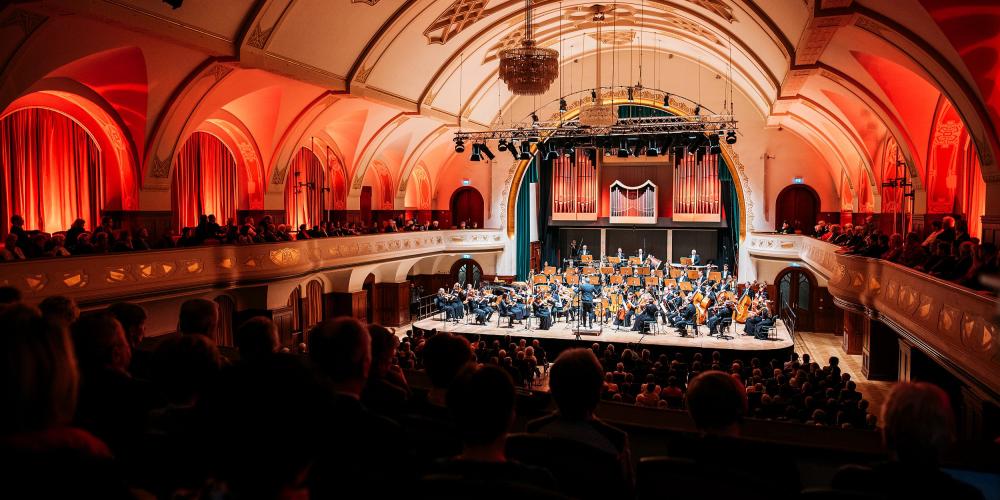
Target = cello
(743,306)
(702,307)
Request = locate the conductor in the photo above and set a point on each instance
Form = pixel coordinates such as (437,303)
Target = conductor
(587,294)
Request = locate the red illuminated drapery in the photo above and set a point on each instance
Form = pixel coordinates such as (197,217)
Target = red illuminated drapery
(51,171)
(303,192)
(205,180)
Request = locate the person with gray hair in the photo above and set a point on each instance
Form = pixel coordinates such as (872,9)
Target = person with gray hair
(918,425)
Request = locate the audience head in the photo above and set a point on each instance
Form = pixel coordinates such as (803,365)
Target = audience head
(186,365)
(575,381)
(717,403)
(948,222)
(445,355)
(341,349)
(9,295)
(257,338)
(39,373)
(481,399)
(100,344)
(59,308)
(384,345)
(917,423)
(133,320)
(198,317)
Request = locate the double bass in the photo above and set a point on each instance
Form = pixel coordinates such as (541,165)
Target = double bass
(702,307)
(743,306)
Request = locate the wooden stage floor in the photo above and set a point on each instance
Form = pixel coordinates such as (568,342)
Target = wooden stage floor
(666,337)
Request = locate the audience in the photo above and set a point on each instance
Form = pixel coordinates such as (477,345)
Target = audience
(257,339)
(198,317)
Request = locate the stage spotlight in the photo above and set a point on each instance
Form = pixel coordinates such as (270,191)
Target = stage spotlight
(459,145)
(731,137)
(570,151)
(525,151)
(692,135)
(486,151)
(631,96)
(475,153)
(623,150)
(697,110)
(513,151)
(534,119)
(652,151)
(551,154)
(593,95)
(607,152)
(502,145)
(562,105)
(666,100)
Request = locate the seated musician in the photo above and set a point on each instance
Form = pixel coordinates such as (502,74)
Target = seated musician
(685,317)
(758,317)
(584,251)
(544,313)
(647,315)
(620,255)
(517,311)
(626,311)
(482,308)
(450,304)
(719,313)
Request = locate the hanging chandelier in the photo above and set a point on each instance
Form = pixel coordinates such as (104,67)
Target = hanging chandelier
(527,69)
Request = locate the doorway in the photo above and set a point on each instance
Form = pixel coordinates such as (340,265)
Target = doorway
(467,272)
(799,205)
(467,207)
(369,289)
(797,292)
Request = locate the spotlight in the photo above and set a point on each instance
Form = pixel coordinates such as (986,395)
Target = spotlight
(623,150)
(607,152)
(534,119)
(697,110)
(475,153)
(486,151)
(652,151)
(631,96)
(562,105)
(570,151)
(666,100)
(593,94)
(459,145)
(502,145)
(731,137)
(551,154)
(525,151)
(513,151)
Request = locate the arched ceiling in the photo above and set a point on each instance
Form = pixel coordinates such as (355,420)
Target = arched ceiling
(841,73)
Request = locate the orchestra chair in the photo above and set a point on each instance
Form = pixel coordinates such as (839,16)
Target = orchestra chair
(582,471)
(726,328)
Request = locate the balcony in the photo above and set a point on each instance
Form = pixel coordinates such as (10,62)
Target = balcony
(102,278)
(954,325)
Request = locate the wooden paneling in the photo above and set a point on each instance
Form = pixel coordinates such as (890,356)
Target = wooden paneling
(284,319)
(825,319)
(881,351)
(853,331)
(354,304)
(393,305)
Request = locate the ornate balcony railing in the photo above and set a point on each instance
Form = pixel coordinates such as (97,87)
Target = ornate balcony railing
(951,323)
(100,278)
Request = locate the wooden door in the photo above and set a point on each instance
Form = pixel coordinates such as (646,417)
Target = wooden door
(799,205)
(467,206)
(797,292)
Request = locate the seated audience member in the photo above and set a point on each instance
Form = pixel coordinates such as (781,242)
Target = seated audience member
(913,254)
(947,230)
(428,423)
(57,247)
(917,426)
(36,246)
(59,308)
(576,381)
(963,261)
(832,234)
(11,250)
(786,228)
(102,242)
(73,233)
(256,339)
(17,228)
(717,403)
(895,248)
(941,263)
(961,234)
(386,392)
(482,401)
(123,243)
(984,264)
(106,227)
(935,232)
(43,455)
(198,317)
(113,404)
(141,240)
(9,295)
(133,320)
(366,448)
(303,233)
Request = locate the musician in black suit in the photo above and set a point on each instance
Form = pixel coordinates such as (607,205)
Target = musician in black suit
(714,322)
(587,294)
(686,316)
(695,258)
(620,255)
(584,251)
(642,255)
(646,315)
(544,314)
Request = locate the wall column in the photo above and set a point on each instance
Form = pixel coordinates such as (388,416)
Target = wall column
(880,352)
(905,361)
(853,330)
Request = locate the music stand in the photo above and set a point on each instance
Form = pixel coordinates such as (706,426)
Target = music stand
(686,261)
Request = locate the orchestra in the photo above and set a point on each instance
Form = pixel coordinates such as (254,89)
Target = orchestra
(624,292)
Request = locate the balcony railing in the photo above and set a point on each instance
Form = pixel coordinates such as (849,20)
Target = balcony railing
(99,278)
(954,324)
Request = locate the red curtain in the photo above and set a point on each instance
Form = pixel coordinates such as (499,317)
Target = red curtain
(303,192)
(205,180)
(51,171)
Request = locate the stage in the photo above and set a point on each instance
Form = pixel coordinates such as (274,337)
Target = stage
(667,336)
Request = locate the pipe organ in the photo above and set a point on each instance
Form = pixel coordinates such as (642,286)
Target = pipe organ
(632,205)
(574,187)
(696,187)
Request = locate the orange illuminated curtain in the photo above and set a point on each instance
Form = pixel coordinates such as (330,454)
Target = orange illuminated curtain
(51,171)
(973,193)
(303,192)
(205,181)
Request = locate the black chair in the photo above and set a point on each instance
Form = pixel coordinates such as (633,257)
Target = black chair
(582,471)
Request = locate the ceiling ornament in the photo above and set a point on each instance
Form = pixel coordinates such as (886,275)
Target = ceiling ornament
(368,2)
(528,69)
(615,38)
(717,7)
(459,15)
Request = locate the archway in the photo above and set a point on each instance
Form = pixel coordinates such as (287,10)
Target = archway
(466,206)
(799,205)
(205,181)
(797,292)
(53,171)
(466,272)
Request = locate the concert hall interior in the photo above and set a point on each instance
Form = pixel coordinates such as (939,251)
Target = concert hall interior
(627,249)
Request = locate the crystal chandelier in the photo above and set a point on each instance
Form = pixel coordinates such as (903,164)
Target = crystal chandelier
(527,69)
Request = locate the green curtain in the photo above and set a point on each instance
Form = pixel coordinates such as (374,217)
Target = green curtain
(522,223)
(639,111)
(729,244)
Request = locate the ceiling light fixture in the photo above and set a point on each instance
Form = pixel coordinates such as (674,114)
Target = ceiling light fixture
(528,69)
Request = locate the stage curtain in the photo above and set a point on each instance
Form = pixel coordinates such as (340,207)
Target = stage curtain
(205,181)
(974,197)
(51,171)
(729,243)
(304,206)
(522,226)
